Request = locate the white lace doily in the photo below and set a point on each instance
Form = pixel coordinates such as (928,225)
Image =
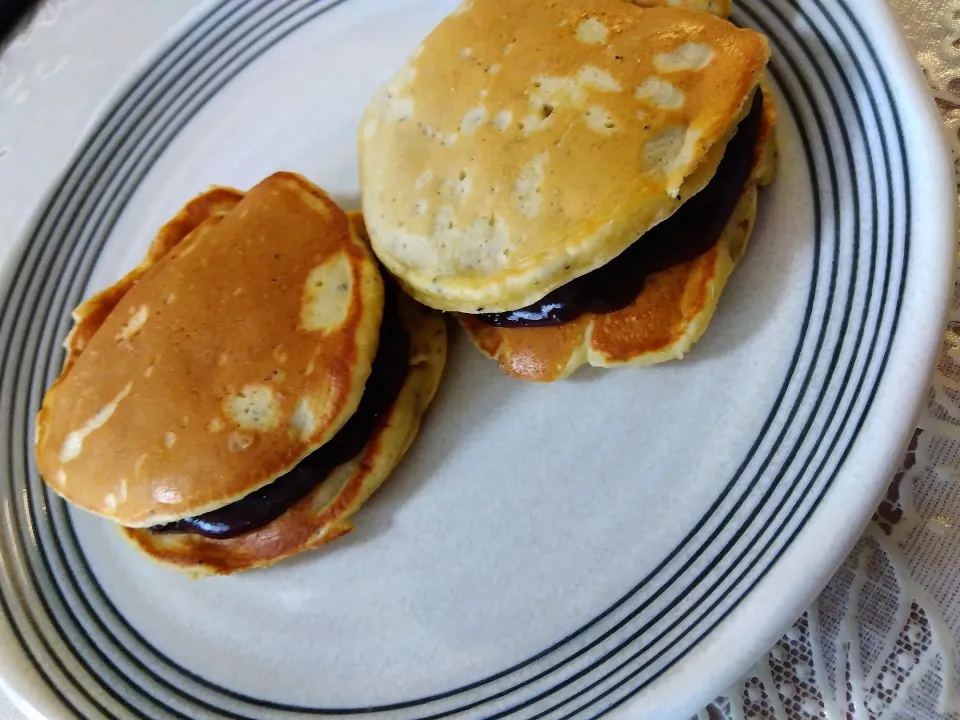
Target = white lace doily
(882,638)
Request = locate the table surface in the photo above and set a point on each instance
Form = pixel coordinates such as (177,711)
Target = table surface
(913,534)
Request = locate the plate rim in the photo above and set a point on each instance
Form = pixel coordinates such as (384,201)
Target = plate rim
(827,520)
(932,336)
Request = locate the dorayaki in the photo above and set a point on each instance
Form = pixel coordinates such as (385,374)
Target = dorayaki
(237,397)
(575,178)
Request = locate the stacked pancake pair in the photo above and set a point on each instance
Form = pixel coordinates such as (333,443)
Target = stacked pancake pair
(573,178)
(237,397)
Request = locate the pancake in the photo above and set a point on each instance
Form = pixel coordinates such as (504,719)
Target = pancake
(720,8)
(325,514)
(240,345)
(669,315)
(496,165)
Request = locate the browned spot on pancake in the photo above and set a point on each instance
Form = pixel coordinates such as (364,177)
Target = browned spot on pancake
(657,320)
(529,353)
(717,7)
(92,313)
(669,302)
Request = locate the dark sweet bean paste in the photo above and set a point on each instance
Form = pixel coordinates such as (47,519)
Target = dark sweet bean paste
(686,235)
(263,506)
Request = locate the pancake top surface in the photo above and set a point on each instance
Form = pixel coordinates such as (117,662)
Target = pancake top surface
(717,7)
(243,345)
(525,144)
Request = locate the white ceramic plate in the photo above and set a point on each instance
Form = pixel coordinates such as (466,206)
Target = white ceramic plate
(625,540)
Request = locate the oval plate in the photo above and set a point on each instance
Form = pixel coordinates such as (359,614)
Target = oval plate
(628,540)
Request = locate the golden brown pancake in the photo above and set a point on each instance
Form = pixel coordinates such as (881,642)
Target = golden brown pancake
(669,315)
(525,144)
(325,514)
(277,314)
(720,8)
(240,345)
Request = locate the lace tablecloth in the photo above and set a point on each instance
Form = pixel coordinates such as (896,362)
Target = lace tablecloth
(882,638)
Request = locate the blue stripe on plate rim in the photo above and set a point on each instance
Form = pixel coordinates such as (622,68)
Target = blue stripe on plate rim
(97,664)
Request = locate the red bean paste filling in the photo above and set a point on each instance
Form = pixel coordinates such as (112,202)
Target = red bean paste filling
(686,235)
(263,506)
